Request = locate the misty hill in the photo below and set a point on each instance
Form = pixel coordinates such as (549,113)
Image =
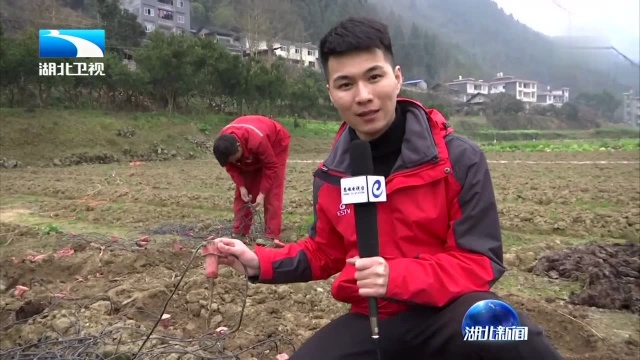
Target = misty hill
(435,40)
(497,42)
(422,54)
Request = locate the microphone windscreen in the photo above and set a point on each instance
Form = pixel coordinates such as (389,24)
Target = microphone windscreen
(360,157)
(366,214)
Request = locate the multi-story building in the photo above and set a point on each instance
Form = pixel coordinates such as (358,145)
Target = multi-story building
(526,91)
(304,54)
(227,38)
(523,90)
(631,109)
(553,97)
(169,16)
(468,87)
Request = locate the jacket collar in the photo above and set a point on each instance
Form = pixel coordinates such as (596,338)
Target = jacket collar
(419,144)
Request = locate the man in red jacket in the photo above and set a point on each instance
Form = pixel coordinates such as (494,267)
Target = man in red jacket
(440,237)
(254,150)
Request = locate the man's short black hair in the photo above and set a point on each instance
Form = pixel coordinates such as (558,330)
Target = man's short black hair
(355,34)
(224,147)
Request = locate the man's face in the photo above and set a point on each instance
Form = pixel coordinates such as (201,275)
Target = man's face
(236,158)
(364,88)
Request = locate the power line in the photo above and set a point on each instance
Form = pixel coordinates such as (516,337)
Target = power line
(631,61)
(569,15)
(610,47)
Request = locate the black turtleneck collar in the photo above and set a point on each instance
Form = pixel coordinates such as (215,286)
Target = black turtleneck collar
(386,148)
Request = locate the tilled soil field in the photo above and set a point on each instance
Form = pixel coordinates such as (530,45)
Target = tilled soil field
(87,268)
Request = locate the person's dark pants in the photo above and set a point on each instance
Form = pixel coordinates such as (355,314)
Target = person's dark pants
(422,334)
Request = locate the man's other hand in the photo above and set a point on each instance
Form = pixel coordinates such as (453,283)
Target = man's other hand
(260,200)
(244,194)
(372,275)
(235,253)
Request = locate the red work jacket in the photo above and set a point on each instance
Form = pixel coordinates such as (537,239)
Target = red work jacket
(439,229)
(262,140)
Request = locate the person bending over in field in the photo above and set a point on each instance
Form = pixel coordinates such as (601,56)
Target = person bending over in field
(440,237)
(254,150)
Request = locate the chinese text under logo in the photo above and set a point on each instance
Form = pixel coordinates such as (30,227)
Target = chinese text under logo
(496,333)
(71,69)
(69,43)
(492,320)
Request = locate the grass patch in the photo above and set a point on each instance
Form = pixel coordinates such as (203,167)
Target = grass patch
(528,285)
(563,145)
(46,225)
(520,242)
(39,136)
(310,128)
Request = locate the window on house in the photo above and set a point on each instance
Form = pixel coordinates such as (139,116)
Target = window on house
(166,2)
(148,11)
(284,48)
(181,19)
(312,64)
(180,3)
(149,27)
(165,14)
(311,53)
(297,51)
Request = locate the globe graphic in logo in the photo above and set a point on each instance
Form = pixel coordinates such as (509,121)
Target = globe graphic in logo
(490,313)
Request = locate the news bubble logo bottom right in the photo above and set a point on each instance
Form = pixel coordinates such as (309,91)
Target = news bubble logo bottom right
(492,320)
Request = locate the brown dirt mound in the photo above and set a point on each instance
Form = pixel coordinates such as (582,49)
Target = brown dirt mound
(611,273)
(564,325)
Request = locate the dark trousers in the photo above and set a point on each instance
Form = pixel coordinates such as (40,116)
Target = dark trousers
(422,334)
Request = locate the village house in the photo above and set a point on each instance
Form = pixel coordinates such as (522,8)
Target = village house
(521,89)
(227,38)
(527,91)
(296,53)
(631,108)
(415,85)
(168,16)
(467,87)
(553,97)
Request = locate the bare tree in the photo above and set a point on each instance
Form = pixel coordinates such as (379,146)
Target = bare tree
(265,21)
(18,15)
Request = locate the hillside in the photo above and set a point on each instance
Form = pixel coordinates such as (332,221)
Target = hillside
(18,15)
(435,40)
(496,42)
(422,55)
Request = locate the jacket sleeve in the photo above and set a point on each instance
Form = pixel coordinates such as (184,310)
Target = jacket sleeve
(472,260)
(236,174)
(318,256)
(269,164)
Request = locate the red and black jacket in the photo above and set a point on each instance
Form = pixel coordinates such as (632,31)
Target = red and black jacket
(262,139)
(439,228)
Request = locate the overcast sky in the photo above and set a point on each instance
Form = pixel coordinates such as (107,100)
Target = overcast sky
(617,21)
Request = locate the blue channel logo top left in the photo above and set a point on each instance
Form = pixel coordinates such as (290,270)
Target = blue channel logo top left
(67,43)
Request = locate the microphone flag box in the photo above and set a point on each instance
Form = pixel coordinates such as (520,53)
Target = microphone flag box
(363,189)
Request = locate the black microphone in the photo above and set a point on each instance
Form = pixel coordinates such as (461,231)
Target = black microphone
(366,216)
